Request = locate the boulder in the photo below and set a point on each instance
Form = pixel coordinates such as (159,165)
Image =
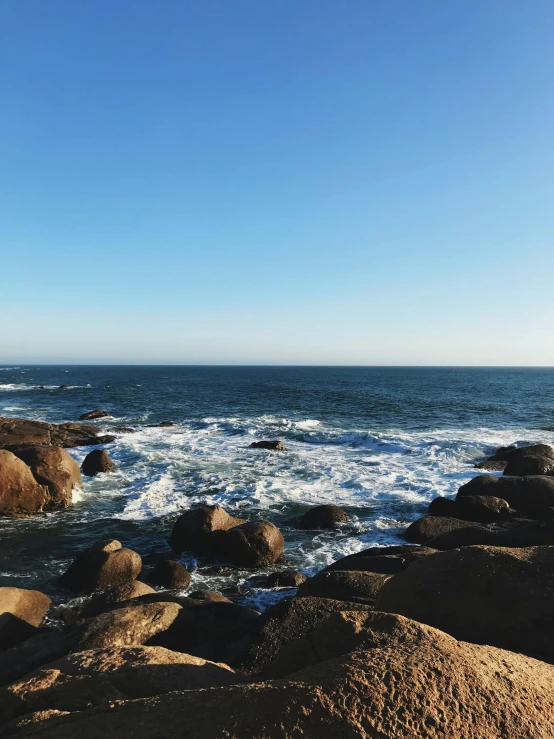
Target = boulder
(409,682)
(516,534)
(161,425)
(429,527)
(252,544)
(288,620)
(492,465)
(16,433)
(443,507)
(483,594)
(532,494)
(533,450)
(97,677)
(482,508)
(124,430)
(101,566)
(274,446)
(350,585)
(530,466)
(169,574)
(93,415)
(382,560)
(21,612)
(55,468)
(97,461)
(20,493)
(285,579)
(323,517)
(43,647)
(103,601)
(208,596)
(123,627)
(194,529)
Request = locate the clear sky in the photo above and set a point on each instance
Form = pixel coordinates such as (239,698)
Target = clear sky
(277,181)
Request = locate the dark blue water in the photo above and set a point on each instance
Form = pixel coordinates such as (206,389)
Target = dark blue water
(381,442)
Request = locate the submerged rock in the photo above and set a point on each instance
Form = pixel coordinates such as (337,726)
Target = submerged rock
(274,446)
(93,415)
(97,461)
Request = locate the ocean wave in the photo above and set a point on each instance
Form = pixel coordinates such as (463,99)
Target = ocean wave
(23,386)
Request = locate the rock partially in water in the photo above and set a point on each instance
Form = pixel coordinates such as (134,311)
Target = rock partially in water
(97,461)
(102,566)
(323,517)
(16,433)
(531,465)
(55,468)
(169,574)
(20,493)
(252,544)
(274,446)
(93,415)
(194,529)
(532,495)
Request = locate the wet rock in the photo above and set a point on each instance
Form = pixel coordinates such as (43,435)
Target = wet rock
(97,461)
(79,609)
(530,466)
(123,627)
(169,574)
(274,446)
(519,533)
(393,559)
(16,433)
(153,558)
(209,596)
(194,529)
(532,495)
(285,579)
(20,493)
(443,507)
(124,429)
(252,544)
(348,585)
(482,508)
(161,425)
(492,465)
(323,517)
(21,612)
(55,468)
(483,594)
(102,566)
(509,453)
(93,415)
(429,527)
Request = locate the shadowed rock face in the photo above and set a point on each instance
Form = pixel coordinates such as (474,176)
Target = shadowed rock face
(323,517)
(402,681)
(18,432)
(20,493)
(531,465)
(21,612)
(349,585)
(485,594)
(194,529)
(92,415)
(97,461)
(102,566)
(533,495)
(55,468)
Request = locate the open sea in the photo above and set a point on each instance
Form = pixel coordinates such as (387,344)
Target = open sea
(380,442)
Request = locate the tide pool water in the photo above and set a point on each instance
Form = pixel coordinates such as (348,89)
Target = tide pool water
(379,442)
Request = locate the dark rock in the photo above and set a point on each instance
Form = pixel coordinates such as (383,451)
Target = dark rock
(124,429)
(55,468)
(429,527)
(534,450)
(194,529)
(482,594)
(169,574)
(153,558)
(530,466)
(323,517)
(123,627)
(209,596)
(161,425)
(105,439)
(352,586)
(532,495)
(443,507)
(285,579)
(63,387)
(20,493)
(93,415)
(515,534)
(79,609)
(492,465)
(252,544)
(31,653)
(97,461)
(102,566)
(274,446)
(482,508)
(16,433)
(21,612)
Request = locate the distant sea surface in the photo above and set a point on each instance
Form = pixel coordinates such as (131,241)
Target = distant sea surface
(381,442)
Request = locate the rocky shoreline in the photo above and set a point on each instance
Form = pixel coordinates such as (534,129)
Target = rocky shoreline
(448,635)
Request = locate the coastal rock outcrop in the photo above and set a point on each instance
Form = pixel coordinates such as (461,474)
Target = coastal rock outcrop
(488,595)
(169,574)
(102,601)
(194,529)
(273,446)
(516,534)
(284,579)
(477,508)
(323,517)
(424,529)
(93,415)
(530,466)
(16,433)
(252,544)
(20,493)
(21,613)
(405,680)
(97,461)
(55,468)
(533,495)
(354,586)
(101,566)
(382,560)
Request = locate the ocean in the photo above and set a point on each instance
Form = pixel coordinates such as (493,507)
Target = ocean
(381,442)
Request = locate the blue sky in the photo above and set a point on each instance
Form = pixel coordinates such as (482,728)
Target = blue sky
(282,182)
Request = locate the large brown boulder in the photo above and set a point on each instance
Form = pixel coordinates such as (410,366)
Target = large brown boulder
(429,527)
(532,494)
(96,677)
(487,595)
(350,585)
(478,508)
(104,600)
(16,433)
(516,534)
(194,529)
(21,612)
(530,466)
(55,468)
(405,682)
(252,544)
(169,574)
(323,517)
(97,461)
(382,560)
(101,566)
(20,493)
(509,453)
